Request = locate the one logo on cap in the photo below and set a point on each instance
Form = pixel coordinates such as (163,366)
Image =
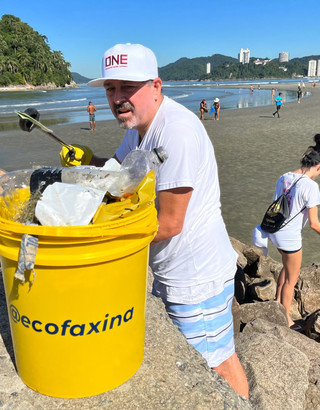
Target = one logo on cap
(119,60)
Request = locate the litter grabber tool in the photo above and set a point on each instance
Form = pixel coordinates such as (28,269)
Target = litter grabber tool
(29,120)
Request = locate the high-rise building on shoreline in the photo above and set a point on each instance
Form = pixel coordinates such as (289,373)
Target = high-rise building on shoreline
(208,68)
(318,69)
(244,56)
(283,57)
(312,68)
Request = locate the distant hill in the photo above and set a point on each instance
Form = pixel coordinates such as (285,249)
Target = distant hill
(305,60)
(192,68)
(80,79)
(225,67)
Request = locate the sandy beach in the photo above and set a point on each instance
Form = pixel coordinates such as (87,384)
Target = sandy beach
(252,149)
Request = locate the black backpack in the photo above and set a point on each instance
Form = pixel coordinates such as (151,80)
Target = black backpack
(277,213)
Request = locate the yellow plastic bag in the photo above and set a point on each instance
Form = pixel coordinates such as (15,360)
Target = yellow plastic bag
(139,200)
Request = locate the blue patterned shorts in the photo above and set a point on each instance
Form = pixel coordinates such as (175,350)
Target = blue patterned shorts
(207,326)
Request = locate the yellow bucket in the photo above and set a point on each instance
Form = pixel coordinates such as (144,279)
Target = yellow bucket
(78,324)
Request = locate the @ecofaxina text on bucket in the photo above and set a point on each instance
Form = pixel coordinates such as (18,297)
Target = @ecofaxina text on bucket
(74,330)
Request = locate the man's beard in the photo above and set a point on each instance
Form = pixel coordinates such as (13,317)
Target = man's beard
(127,125)
(123,122)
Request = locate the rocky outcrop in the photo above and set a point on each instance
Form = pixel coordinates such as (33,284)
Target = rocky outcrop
(308,290)
(30,87)
(277,372)
(282,366)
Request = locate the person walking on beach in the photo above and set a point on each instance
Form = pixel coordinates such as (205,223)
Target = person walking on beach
(203,108)
(304,198)
(299,92)
(216,106)
(92,116)
(272,95)
(191,256)
(278,102)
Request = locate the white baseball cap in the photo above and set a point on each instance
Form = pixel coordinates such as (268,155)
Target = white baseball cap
(129,62)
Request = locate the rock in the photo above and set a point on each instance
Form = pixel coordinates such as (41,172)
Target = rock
(312,326)
(307,346)
(253,255)
(262,290)
(240,285)
(236,315)
(264,269)
(242,261)
(254,264)
(239,248)
(275,268)
(317,323)
(277,371)
(308,290)
(294,310)
(271,311)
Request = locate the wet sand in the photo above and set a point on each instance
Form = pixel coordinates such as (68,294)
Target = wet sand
(252,148)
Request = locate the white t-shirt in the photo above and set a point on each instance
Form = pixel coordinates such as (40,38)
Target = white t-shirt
(194,265)
(305,193)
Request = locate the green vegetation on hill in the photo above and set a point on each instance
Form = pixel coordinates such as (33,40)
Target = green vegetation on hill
(272,69)
(224,68)
(192,68)
(305,60)
(79,79)
(26,57)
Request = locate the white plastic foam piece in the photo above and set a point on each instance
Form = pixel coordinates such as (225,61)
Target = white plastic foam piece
(68,205)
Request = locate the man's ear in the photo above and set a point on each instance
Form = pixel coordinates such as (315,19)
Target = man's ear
(157,84)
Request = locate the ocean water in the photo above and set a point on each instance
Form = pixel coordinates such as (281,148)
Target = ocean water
(69,105)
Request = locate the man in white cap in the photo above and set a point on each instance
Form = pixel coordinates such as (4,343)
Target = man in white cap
(191,256)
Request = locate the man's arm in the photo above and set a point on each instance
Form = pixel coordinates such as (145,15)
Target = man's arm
(173,204)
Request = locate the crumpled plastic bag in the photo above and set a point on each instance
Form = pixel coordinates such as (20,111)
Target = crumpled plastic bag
(68,205)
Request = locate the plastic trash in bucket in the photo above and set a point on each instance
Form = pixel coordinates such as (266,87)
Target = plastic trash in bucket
(78,325)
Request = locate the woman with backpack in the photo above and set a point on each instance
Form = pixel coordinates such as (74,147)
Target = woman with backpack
(303,198)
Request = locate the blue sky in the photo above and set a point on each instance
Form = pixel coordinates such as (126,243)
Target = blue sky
(83,30)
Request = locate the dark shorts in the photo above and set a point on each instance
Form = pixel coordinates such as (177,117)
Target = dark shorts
(288,252)
(92,117)
(278,107)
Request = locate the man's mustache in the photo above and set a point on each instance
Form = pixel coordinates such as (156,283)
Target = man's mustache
(124,106)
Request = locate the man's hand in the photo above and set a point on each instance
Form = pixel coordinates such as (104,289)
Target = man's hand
(83,156)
